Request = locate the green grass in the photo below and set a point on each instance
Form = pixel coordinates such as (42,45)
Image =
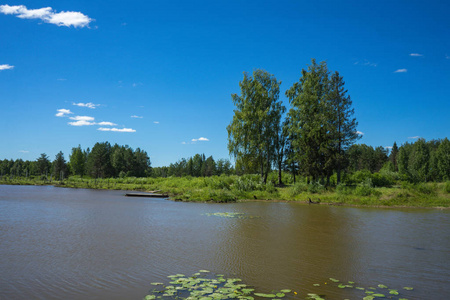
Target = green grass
(248,187)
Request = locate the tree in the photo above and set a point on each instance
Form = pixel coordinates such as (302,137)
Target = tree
(393,156)
(343,124)
(60,166)
(309,121)
(252,133)
(443,159)
(43,164)
(418,162)
(99,161)
(78,161)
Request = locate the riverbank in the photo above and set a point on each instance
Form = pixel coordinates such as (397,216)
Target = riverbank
(247,188)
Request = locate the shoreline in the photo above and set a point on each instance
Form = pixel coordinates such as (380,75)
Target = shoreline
(385,197)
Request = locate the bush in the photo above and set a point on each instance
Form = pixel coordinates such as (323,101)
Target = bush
(315,187)
(342,189)
(447,187)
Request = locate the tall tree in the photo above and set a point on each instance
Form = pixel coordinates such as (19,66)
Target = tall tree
(393,156)
(60,166)
(343,124)
(43,164)
(418,163)
(77,161)
(443,159)
(99,161)
(309,121)
(251,133)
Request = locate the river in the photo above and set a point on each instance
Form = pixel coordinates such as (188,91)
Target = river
(58,243)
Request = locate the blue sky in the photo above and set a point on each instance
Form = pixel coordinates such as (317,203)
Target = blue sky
(159,74)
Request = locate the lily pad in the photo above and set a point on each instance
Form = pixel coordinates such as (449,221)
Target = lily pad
(382,286)
(264,295)
(408,288)
(285,291)
(334,280)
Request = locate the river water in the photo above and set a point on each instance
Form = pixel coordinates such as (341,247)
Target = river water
(58,243)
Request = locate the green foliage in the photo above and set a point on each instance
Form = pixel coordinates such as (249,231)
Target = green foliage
(446,187)
(315,188)
(253,131)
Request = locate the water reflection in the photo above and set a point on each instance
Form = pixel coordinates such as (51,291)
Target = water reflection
(63,243)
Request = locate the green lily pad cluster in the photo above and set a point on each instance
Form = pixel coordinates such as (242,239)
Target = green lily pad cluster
(198,287)
(381,291)
(230,215)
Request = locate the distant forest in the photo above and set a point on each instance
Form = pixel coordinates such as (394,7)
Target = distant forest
(421,161)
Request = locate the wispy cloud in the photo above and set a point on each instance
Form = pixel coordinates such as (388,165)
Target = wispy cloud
(447,56)
(401,71)
(117,129)
(366,63)
(359,132)
(135,84)
(388,147)
(414,137)
(61,79)
(88,105)
(136,117)
(81,123)
(106,124)
(48,15)
(24,151)
(156,122)
(183,143)
(6,67)
(63,112)
(202,139)
(416,54)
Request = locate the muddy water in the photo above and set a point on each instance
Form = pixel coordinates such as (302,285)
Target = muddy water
(85,244)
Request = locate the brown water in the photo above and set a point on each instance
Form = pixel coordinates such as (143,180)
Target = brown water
(85,244)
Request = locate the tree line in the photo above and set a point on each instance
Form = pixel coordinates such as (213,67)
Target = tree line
(316,137)
(102,161)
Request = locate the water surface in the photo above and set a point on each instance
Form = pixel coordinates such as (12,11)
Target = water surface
(60,243)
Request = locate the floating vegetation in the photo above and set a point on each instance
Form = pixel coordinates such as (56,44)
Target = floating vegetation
(205,286)
(197,287)
(370,293)
(231,215)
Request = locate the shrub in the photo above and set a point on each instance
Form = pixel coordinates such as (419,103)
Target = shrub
(447,187)
(315,187)
(342,189)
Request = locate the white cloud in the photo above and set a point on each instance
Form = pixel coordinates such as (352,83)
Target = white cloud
(89,105)
(69,18)
(184,143)
(106,124)
(388,147)
(82,118)
(6,67)
(359,132)
(48,15)
(61,79)
(414,137)
(156,122)
(117,129)
(401,71)
(63,112)
(81,123)
(202,139)
(416,54)
(447,56)
(136,117)
(24,151)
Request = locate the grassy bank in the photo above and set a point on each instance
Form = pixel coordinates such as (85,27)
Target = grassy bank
(248,187)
